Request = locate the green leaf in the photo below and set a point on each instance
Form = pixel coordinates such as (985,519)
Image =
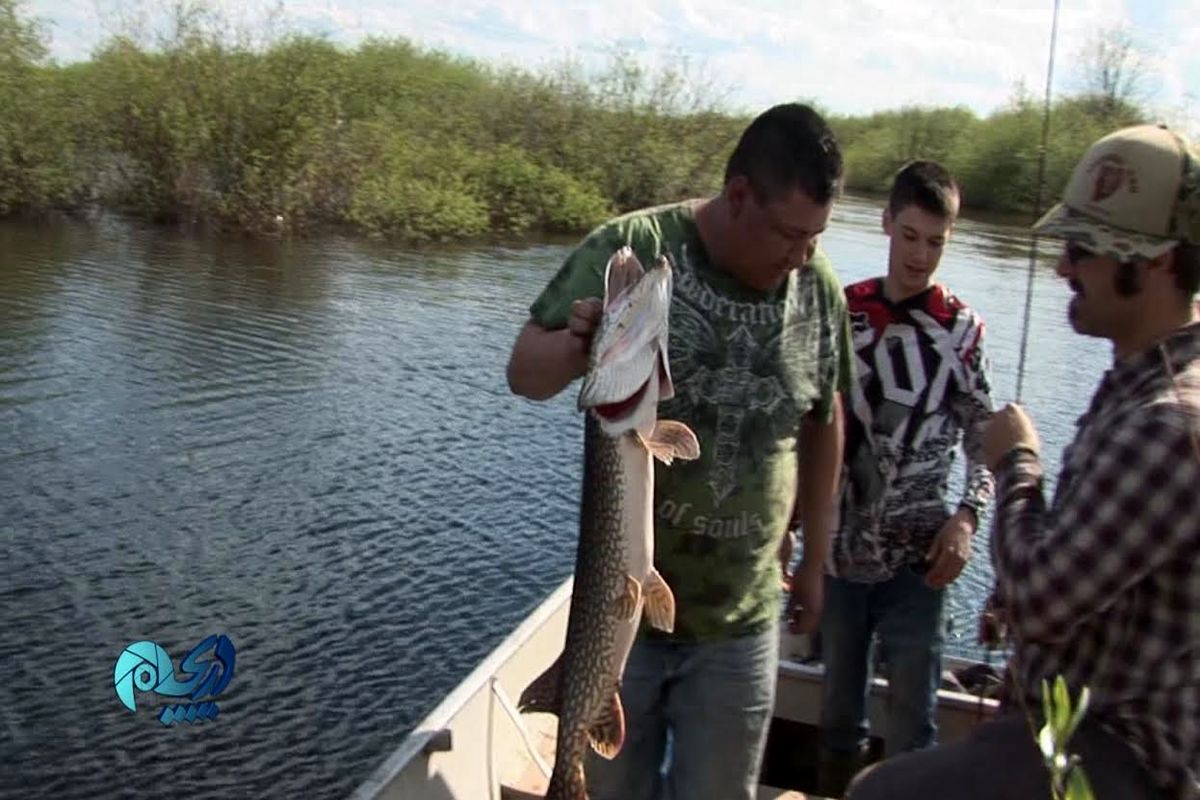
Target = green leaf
(1062,708)
(1080,710)
(1078,787)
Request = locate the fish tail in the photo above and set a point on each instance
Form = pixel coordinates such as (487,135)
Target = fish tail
(568,784)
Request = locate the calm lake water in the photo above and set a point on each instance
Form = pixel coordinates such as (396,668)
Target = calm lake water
(310,448)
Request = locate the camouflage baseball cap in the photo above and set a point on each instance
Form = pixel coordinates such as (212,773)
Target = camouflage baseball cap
(1134,194)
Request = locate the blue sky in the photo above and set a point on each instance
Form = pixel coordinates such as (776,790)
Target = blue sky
(852,56)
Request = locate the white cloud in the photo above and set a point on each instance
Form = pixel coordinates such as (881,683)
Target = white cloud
(852,56)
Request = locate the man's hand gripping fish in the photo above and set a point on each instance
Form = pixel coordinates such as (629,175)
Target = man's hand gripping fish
(615,578)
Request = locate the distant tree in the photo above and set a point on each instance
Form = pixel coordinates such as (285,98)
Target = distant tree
(1113,71)
(21,43)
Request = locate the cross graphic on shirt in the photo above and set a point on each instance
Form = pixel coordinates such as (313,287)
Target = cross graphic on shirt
(735,391)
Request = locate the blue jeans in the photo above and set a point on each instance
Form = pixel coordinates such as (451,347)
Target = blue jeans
(907,616)
(713,700)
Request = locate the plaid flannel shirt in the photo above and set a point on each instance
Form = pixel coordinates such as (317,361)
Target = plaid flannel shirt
(1104,587)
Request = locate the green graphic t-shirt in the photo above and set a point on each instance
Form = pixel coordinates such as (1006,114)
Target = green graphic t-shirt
(747,365)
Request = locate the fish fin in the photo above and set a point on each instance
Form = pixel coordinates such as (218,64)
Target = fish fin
(672,440)
(608,734)
(627,603)
(660,601)
(544,695)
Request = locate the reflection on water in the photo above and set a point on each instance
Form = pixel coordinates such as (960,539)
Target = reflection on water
(309,447)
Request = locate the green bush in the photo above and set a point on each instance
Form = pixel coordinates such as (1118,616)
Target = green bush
(39,156)
(294,133)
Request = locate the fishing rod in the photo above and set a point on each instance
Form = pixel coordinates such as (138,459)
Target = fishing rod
(1037,205)
(997,632)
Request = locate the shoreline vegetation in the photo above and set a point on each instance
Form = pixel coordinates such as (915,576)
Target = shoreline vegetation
(389,139)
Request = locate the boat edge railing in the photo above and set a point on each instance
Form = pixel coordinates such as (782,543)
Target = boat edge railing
(430,727)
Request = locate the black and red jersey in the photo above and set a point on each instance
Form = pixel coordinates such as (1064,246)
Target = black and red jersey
(921,385)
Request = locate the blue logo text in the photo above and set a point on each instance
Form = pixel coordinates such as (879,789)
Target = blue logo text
(146,667)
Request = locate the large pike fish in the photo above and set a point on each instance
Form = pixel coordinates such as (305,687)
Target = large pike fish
(615,578)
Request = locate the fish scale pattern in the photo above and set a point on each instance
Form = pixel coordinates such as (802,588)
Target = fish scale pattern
(589,653)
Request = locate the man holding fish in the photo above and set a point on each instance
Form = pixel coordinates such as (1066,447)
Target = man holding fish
(737,398)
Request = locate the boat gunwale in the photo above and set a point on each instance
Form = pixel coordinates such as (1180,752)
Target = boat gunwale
(414,743)
(950,698)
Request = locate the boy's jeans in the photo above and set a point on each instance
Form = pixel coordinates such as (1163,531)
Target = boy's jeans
(907,616)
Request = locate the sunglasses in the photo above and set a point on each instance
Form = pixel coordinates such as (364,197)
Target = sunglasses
(1077,253)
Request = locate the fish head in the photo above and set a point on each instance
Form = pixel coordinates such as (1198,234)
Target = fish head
(628,372)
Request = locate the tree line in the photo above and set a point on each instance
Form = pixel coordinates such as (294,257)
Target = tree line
(396,140)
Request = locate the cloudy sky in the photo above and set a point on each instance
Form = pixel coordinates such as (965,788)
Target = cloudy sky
(851,56)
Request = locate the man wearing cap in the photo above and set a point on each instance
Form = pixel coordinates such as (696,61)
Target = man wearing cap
(1103,586)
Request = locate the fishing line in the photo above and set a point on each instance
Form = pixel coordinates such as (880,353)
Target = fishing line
(991,644)
(1037,205)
